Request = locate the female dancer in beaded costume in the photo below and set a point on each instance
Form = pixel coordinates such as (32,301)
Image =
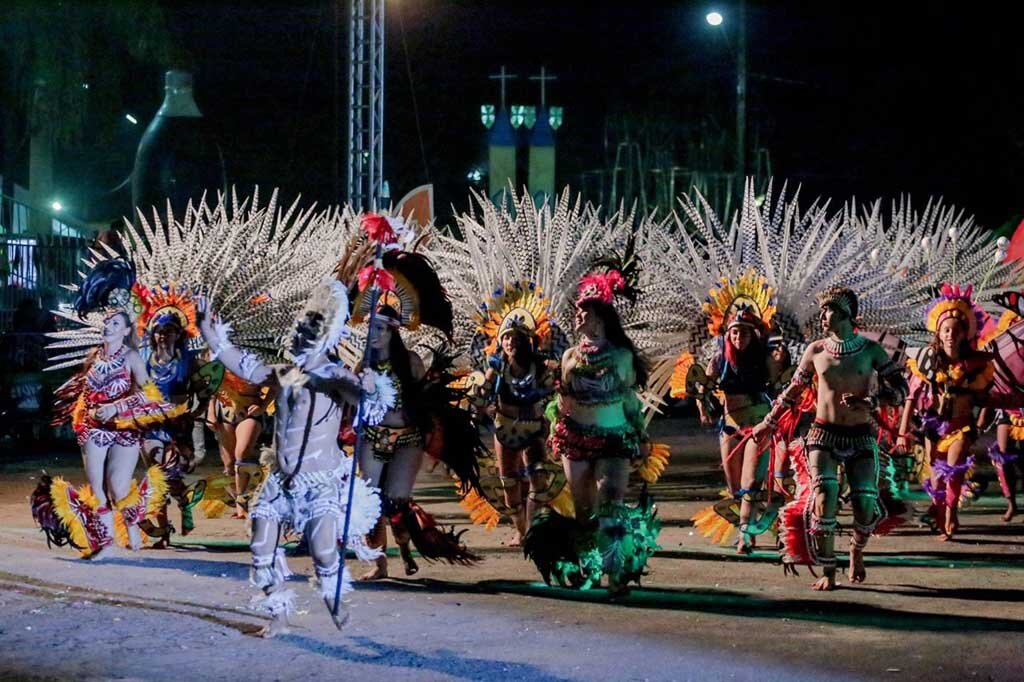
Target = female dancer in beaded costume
(510,276)
(739,316)
(110,402)
(517,383)
(423,419)
(167,325)
(598,430)
(952,377)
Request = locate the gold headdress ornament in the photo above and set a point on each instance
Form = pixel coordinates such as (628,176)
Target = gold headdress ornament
(748,301)
(164,304)
(956,303)
(519,307)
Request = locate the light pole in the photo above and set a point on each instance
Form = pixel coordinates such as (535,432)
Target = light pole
(716,19)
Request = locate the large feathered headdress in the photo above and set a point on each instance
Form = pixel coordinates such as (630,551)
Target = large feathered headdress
(261,266)
(407,276)
(108,287)
(954,302)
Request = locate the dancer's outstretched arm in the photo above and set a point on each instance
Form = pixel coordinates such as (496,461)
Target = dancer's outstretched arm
(216,334)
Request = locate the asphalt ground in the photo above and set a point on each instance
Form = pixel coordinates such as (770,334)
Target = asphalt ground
(929,611)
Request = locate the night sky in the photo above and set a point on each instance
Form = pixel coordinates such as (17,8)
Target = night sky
(871,99)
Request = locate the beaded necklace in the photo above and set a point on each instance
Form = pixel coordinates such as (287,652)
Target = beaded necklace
(845,347)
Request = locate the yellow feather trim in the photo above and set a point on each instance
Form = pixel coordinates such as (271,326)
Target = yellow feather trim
(750,290)
(912,366)
(121,531)
(152,392)
(1006,320)
(131,499)
(79,411)
(677,384)
(655,462)
(712,526)
(60,492)
(213,509)
(563,503)
(156,491)
(88,497)
(481,512)
(145,420)
(926,472)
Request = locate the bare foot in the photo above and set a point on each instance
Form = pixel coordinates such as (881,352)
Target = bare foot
(240,513)
(378,572)
(411,567)
(516,541)
(745,545)
(857,572)
(952,525)
(1011,511)
(825,583)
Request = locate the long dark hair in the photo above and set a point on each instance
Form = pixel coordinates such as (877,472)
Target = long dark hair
(529,352)
(399,354)
(616,335)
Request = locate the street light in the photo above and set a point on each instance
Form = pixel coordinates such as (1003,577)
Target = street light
(715,19)
(56,206)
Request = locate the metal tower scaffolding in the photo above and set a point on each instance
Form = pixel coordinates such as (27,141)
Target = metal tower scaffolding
(366,103)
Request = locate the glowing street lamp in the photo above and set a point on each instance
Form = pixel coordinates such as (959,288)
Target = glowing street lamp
(56,205)
(715,19)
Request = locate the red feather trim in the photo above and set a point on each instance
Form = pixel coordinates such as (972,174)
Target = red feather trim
(370,275)
(378,229)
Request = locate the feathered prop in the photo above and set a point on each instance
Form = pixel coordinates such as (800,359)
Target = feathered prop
(454,437)
(433,542)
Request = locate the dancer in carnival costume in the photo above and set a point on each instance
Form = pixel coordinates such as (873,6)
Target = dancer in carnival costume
(739,317)
(110,402)
(168,330)
(761,268)
(510,276)
(518,382)
(845,365)
(598,430)
(272,285)
(235,416)
(425,417)
(920,250)
(953,378)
